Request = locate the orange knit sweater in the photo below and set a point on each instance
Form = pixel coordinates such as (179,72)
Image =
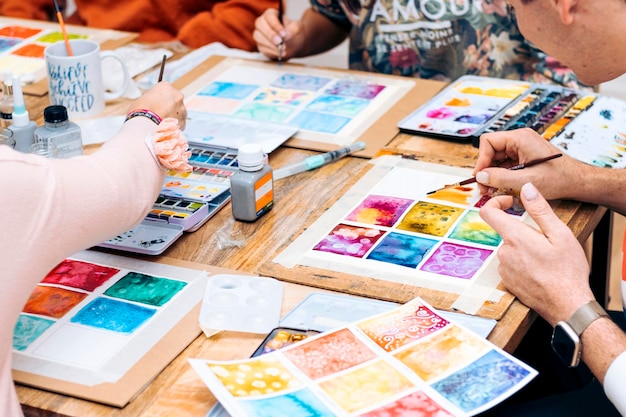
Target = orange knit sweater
(194,22)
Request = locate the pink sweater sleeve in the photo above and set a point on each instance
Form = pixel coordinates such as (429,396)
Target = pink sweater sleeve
(54,208)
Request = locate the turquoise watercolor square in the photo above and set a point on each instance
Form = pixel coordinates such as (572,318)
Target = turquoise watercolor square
(28,329)
(145,289)
(113,315)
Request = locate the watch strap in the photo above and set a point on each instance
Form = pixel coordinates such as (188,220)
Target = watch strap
(585,315)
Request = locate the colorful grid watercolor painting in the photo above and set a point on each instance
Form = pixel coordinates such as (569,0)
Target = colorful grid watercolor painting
(22,48)
(389,227)
(326,106)
(86,314)
(407,361)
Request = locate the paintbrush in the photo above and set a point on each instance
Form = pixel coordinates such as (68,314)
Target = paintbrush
(513,168)
(162,68)
(281,45)
(63,31)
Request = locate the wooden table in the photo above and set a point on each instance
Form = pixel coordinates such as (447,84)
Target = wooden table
(177,391)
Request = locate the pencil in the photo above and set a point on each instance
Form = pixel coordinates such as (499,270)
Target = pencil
(162,68)
(63,31)
(513,168)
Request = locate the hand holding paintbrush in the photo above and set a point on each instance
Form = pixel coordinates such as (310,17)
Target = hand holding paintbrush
(513,168)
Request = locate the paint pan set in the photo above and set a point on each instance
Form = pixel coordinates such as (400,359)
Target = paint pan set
(587,126)
(186,202)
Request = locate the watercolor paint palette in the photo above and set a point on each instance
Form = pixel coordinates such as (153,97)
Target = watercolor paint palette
(95,315)
(586,126)
(186,202)
(408,360)
(241,303)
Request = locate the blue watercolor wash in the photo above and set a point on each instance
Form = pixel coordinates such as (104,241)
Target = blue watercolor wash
(319,122)
(230,90)
(300,82)
(401,249)
(484,380)
(114,315)
(298,403)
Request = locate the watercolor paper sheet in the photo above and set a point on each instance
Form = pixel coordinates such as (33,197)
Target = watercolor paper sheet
(22,44)
(386,227)
(95,315)
(326,106)
(407,361)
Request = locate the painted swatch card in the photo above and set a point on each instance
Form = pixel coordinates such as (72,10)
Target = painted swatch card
(94,315)
(389,227)
(406,361)
(323,105)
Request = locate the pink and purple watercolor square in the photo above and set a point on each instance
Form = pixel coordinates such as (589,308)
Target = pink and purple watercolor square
(456,260)
(379,210)
(349,240)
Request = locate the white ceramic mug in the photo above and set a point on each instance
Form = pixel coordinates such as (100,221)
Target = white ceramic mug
(76,81)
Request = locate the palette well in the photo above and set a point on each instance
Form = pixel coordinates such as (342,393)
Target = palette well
(587,126)
(241,303)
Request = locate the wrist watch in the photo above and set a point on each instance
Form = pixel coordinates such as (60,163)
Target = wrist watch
(566,341)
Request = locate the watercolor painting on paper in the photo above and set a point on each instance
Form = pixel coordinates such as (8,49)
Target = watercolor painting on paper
(22,49)
(407,360)
(326,106)
(391,227)
(87,314)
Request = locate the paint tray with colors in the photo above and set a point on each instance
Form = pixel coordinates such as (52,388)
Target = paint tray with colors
(406,361)
(186,202)
(584,125)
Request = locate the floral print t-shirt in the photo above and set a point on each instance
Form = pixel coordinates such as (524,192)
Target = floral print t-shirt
(442,39)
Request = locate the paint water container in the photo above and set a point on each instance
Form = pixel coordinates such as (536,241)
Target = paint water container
(252,186)
(59,129)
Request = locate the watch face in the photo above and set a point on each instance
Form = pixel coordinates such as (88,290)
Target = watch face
(566,344)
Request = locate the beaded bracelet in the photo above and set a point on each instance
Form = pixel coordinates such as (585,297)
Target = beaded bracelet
(145,113)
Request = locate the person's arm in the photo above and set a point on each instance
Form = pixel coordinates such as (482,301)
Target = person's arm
(562,178)
(547,270)
(32,9)
(313,34)
(229,22)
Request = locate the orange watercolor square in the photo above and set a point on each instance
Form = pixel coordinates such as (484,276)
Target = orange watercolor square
(52,301)
(31,50)
(18,32)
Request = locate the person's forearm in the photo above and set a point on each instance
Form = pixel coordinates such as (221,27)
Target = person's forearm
(319,34)
(602,342)
(603,186)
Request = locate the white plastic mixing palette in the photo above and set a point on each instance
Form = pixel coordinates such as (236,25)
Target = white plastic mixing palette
(241,303)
